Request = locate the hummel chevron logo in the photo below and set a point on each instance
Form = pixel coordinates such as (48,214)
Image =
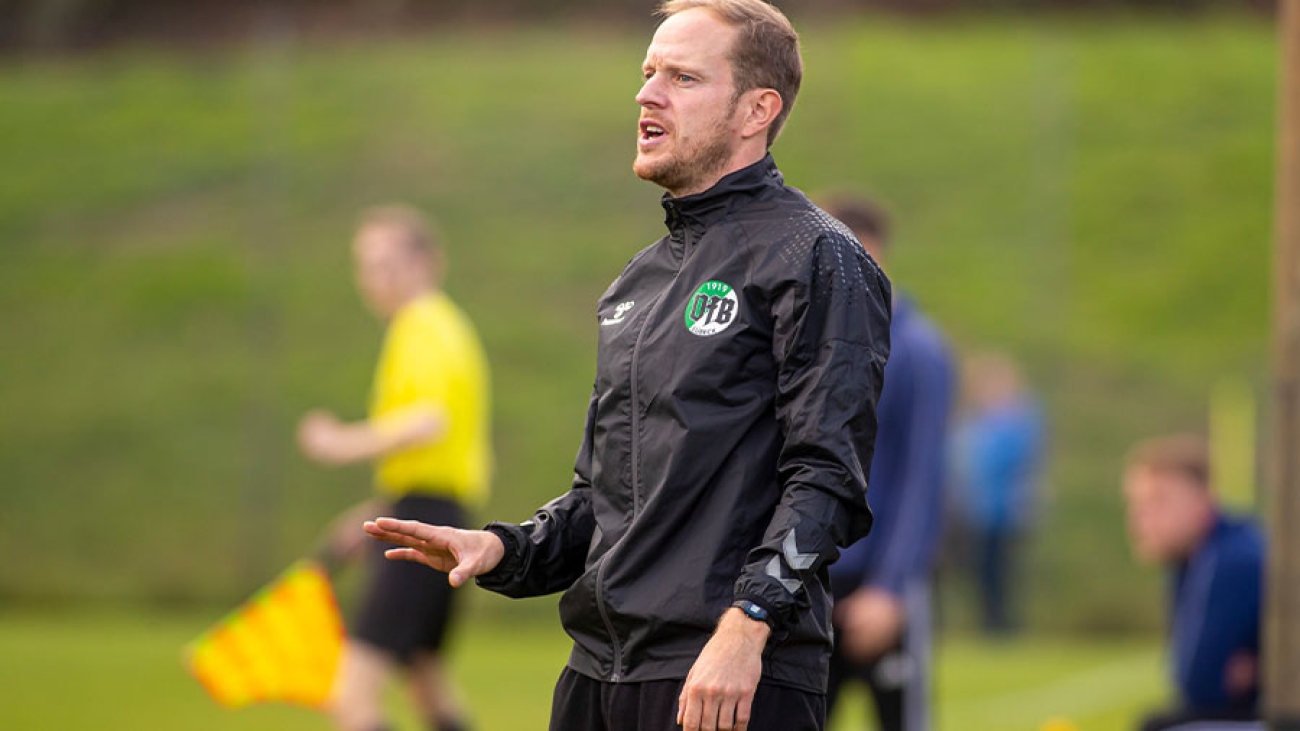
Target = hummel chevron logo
(774,570)
(798,561)
(794,559)
(620,313)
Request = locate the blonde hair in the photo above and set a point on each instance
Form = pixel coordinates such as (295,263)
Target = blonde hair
(1184,454)
(415,229)
(766,51)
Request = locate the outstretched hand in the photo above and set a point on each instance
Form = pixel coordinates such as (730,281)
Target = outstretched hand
(463,554)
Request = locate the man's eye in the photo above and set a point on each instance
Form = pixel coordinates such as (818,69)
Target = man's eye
(685,78)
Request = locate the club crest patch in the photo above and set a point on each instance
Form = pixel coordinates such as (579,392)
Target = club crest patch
(712,308)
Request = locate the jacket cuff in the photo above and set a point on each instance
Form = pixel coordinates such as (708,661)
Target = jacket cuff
(773,620)
(782,612)
(512,561)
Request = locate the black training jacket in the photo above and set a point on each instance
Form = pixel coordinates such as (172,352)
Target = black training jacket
(727,442)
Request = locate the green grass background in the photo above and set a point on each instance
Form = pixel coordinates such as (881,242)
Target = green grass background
(1093,195)
(135,679)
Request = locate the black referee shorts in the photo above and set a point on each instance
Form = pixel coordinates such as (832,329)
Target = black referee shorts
(585,704)
(406,606)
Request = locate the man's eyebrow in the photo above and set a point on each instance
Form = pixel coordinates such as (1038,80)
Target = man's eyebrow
(671,67)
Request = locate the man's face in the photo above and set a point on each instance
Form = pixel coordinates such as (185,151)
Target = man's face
(1168,513)
(388,269)
(689,127)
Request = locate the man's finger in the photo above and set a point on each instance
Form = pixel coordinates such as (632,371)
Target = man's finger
(404,554)
(400,539)
(711,701)
(414,530)
(457,576)
(411,533)
(691,711)
(417,556)
(726,715)
(743,710)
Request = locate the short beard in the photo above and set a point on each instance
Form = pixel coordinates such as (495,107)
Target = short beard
(686,172)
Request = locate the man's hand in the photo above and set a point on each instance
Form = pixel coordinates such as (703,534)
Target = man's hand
(719,690)
(1241,676)
(323,438)
(463,554)
(871,622)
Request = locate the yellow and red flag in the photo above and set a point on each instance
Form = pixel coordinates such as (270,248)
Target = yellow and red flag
(283,644)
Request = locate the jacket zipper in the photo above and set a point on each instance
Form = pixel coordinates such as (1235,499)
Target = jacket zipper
(616,675)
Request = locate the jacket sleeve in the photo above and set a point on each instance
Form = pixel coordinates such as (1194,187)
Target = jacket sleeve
(910,544)
(549,552)
(830,344)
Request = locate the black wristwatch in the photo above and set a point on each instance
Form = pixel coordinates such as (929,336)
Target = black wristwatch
(754,611)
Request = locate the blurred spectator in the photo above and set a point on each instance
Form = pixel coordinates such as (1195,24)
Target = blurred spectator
(881,583)
(1217,562)
(997,452)
(428,434)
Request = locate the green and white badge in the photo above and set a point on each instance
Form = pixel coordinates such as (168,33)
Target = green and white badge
(712,308)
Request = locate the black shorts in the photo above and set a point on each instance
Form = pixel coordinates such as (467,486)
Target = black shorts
(584,704)
(406,606)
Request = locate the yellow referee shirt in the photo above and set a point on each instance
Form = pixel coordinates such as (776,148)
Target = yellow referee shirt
(432,358)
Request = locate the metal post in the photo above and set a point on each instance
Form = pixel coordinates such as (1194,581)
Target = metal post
(1282,621)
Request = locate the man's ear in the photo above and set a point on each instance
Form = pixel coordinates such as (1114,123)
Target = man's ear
(761,109)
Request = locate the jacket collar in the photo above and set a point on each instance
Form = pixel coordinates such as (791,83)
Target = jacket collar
(703,209)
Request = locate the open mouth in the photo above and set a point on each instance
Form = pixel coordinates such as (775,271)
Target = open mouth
(651,131)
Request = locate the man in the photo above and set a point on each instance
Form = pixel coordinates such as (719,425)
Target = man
(882,582)
(1217,562)
(731,424)
(999,451)
(428,432)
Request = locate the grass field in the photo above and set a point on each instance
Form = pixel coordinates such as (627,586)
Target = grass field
(1092,195)
(111,671)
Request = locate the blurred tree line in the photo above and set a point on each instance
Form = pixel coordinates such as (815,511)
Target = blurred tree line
(75,24)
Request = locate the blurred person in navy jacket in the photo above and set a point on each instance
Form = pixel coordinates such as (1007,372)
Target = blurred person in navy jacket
(1216,561)
(881,583)
(996,458)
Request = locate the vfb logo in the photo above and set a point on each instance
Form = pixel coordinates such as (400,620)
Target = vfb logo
(712,308)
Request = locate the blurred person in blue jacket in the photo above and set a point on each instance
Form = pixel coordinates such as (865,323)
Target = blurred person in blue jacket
(1216,562)
(997,454)
(882,583)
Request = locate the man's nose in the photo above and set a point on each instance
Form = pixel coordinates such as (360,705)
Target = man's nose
(651,94)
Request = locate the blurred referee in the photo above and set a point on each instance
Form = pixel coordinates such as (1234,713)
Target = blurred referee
(428,433)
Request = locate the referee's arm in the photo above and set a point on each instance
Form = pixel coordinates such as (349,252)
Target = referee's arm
(326,439)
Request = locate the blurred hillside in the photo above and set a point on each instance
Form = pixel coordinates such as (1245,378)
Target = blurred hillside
(44,25)
(176,286)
